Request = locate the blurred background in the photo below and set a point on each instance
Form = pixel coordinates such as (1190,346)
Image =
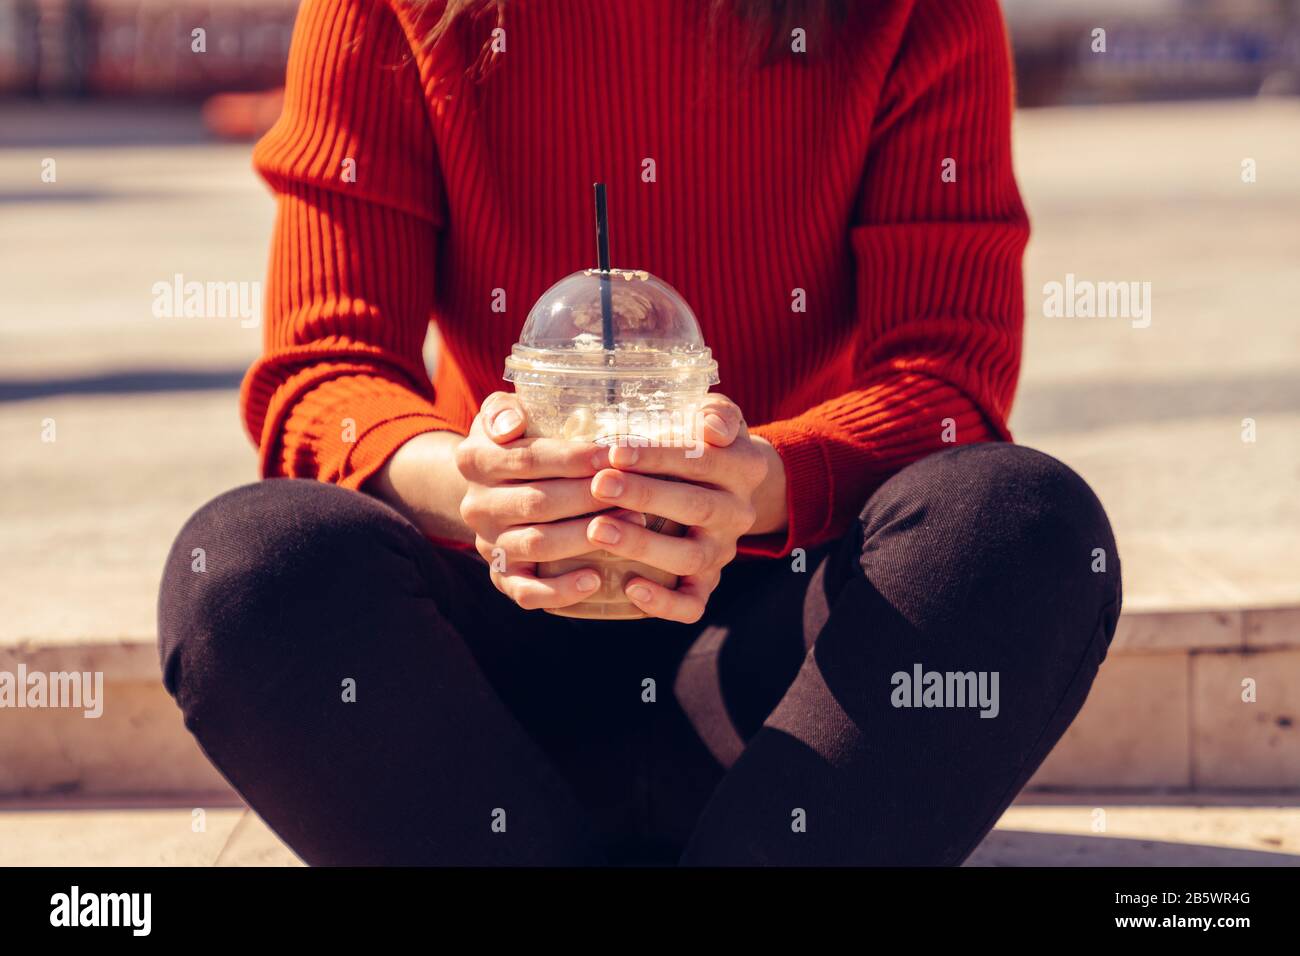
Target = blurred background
(1170,155)
(1162,49)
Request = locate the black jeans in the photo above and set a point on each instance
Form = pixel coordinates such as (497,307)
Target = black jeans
(377,701)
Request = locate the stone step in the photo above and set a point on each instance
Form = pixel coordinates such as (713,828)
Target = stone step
(1166,713)
(1188,700)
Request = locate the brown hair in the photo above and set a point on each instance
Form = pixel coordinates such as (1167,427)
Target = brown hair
(770,23)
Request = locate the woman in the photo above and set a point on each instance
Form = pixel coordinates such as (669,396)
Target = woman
(832,192)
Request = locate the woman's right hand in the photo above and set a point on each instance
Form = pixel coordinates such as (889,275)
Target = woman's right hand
(524,501)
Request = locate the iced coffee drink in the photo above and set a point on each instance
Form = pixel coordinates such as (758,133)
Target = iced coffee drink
(613,356)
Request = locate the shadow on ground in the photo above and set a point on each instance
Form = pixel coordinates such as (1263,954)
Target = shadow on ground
(122,383)
(1086,406)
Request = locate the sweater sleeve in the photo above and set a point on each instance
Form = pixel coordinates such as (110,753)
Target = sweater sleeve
(341,382)
(937,241)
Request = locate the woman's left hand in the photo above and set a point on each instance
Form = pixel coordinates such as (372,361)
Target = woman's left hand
(714,497)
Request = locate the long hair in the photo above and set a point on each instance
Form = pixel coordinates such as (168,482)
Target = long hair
(770,24)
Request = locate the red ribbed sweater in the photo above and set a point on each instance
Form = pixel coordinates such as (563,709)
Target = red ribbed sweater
(408,193)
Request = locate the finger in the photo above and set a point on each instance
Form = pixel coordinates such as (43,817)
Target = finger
(528,459)
(685,605)
(503,417)
(683,502)
(519,549)
(739,466)
(720,420)
(681,556)
(528,544)
(555,499)
(531,592)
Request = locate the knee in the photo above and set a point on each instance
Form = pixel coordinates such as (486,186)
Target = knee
(257,571)
(1004,492)
(999,524)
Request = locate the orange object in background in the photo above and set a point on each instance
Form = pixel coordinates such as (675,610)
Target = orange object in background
(242,116)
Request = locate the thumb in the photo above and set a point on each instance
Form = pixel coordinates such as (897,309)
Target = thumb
(503,417)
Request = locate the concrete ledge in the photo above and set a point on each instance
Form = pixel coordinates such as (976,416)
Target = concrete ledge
(1240,630)
(124,659)
(1208,629)
(1166,714)
(1178,631)
(1208,717)
(138,746)
(1270,628)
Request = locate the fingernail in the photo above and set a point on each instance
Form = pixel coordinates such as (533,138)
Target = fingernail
(607,485)
(717,423)
(627,455)
(505,421)
(606,532)
(631,517)
(639,592)
(587,581)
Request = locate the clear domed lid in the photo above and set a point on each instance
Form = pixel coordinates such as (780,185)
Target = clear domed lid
(653,329)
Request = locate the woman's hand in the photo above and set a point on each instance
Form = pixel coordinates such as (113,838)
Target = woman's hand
(726,489)
(523,499)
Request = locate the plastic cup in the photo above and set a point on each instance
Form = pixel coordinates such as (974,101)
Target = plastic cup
(647,390)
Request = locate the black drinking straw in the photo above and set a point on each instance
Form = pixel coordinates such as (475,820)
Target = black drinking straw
(606,293)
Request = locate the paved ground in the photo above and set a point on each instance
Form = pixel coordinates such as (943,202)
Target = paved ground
(1093,830)
(1152,417)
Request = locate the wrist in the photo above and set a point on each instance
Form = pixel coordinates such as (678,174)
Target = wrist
(421,480)
(771,509)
